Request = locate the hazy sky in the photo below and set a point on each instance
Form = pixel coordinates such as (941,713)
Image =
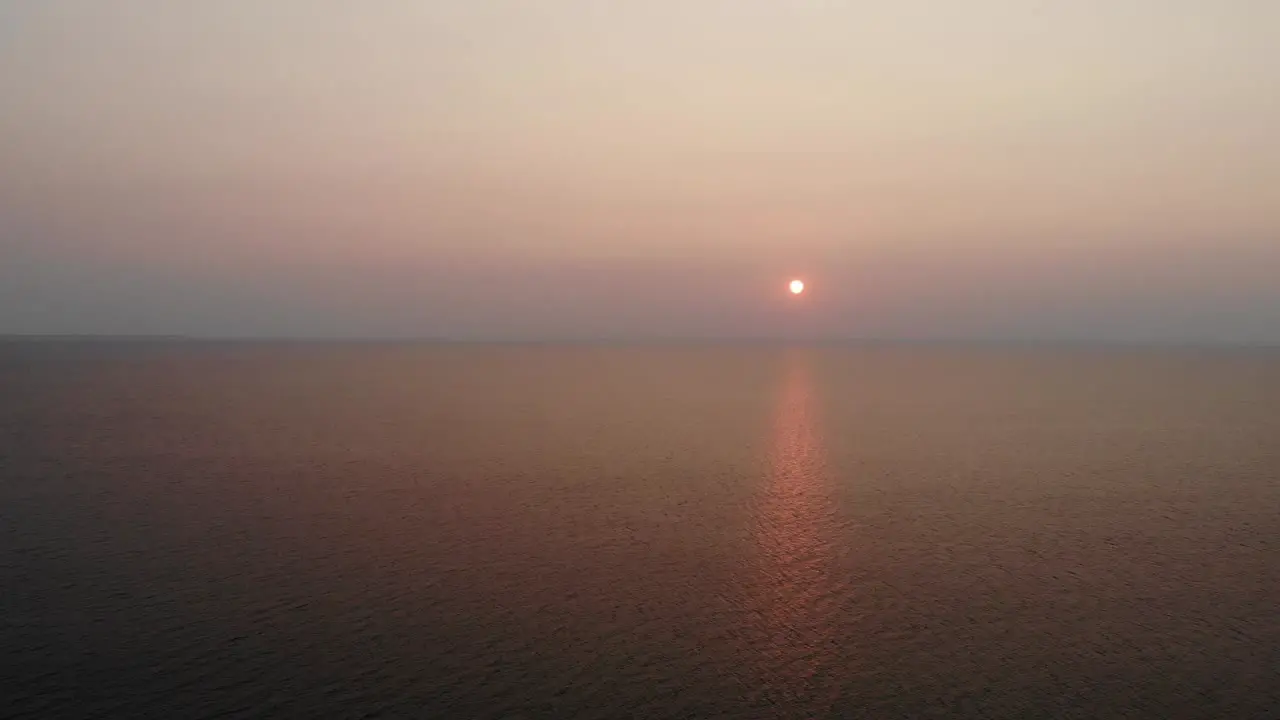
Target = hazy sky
(1102,169)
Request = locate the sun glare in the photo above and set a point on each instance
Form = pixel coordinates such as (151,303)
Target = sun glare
(797,287)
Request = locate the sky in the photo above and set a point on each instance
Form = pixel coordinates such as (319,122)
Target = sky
(507,169)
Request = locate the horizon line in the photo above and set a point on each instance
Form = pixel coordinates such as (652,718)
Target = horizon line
(178,338)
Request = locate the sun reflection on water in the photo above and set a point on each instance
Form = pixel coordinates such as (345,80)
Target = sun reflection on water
(794,591)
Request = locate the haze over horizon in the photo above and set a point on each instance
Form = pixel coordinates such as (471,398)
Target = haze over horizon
(999,170)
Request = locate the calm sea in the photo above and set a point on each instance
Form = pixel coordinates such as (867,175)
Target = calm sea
(515,531)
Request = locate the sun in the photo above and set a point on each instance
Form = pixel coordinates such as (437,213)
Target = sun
(797,287)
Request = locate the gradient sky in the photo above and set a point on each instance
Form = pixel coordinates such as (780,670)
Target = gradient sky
(481,169)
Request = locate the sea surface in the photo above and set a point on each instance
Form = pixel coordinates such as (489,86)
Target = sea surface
(198,530)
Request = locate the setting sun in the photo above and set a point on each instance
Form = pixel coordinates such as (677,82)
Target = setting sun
(797,287)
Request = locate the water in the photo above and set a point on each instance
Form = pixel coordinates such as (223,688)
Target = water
(241,530)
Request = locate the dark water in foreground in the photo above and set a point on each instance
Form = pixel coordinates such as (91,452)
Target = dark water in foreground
(517,531)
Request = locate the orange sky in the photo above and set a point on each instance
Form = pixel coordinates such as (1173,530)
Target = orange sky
(994,168)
